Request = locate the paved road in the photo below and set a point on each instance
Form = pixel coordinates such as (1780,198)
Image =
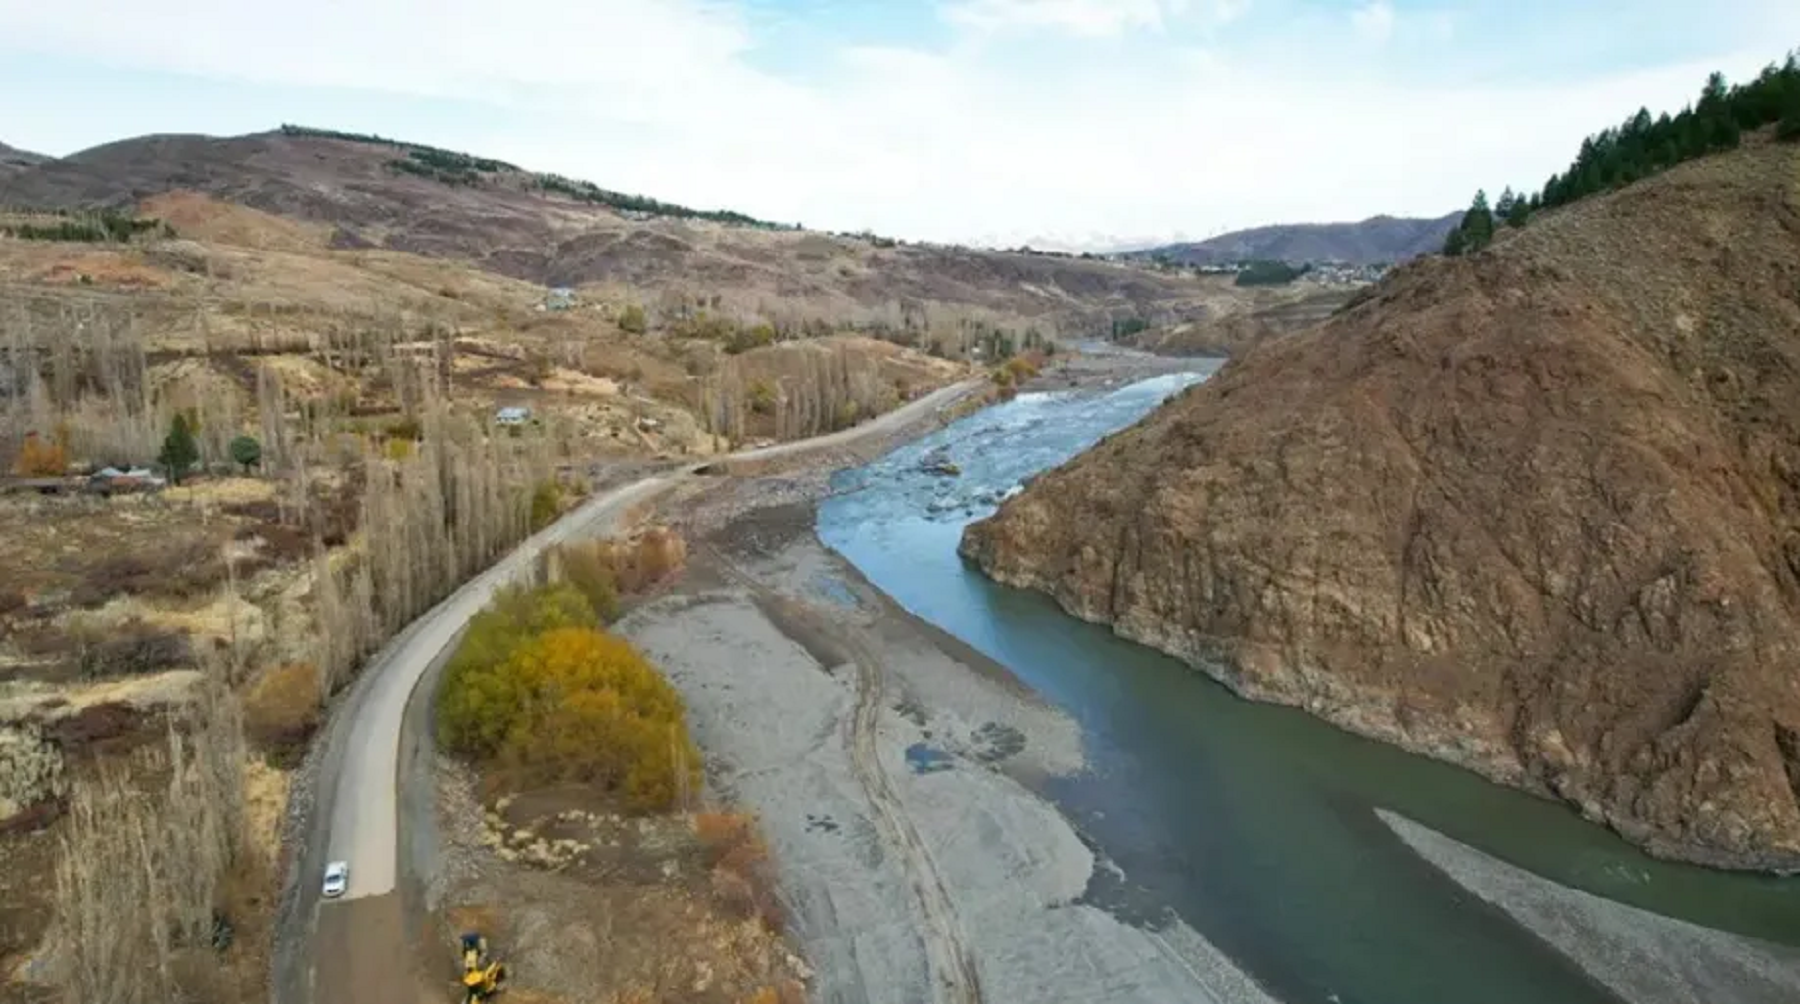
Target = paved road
(355,817)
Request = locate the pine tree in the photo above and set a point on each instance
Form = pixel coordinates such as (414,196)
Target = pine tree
(1724,134)
(179,452)
(1504,208)
(1789,129)
(1713,95)
(1520,212)
(1478,223)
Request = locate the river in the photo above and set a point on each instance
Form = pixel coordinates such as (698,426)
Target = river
(1254,824)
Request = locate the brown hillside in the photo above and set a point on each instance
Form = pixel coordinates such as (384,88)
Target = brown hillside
(14,160)
(1536,512)
(1376,240)
(1241,318)
(507,225)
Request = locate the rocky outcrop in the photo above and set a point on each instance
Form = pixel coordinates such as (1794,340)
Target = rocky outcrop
(1536,512)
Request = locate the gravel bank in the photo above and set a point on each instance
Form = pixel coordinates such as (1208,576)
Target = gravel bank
(776,643)
(1643,957)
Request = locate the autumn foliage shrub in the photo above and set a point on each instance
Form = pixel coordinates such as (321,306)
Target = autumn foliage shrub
(1022,368)
(743,876)
(575,704)
(536,690)
(786,992)
(516,616)
(41,457)
(637,564)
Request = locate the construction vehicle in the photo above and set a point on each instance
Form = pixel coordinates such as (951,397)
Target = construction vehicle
(482,976)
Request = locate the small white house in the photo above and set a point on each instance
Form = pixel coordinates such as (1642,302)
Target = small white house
(512,415)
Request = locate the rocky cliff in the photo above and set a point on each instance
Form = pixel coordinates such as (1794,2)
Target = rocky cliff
(1536,512)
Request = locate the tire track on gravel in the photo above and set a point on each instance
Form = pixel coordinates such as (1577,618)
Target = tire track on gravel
(954,974)
(952,965)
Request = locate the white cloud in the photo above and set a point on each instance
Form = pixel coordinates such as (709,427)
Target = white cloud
(670,98)
(1080,17)
(1374,20)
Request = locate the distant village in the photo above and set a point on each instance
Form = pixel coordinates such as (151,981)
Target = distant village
(1325,273)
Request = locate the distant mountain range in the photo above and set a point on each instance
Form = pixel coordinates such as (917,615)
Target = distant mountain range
(1376,240)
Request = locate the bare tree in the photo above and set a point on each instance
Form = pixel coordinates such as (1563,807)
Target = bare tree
(138,877)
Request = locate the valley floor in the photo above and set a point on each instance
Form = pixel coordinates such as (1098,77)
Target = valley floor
(896,774)
(889,766)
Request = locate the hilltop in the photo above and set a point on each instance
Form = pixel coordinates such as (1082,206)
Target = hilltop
(547,229)
(1535,511)
(14,160)
(1374,241)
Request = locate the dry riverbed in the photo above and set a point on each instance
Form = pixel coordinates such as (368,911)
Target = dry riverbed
(889,767)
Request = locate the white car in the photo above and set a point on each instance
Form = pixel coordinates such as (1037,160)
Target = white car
(337,878)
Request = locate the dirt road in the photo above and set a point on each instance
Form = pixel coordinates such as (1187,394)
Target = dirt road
(352,949)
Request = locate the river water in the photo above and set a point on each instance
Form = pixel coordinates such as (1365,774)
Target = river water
(1254,824)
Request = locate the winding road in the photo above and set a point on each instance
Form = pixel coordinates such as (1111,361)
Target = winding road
(356,948)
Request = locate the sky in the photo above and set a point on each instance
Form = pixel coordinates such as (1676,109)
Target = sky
(1069,124)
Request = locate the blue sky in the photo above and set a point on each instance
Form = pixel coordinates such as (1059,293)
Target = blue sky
(1067,123)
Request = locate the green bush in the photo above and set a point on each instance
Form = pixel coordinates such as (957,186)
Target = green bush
(587,569)
(99,227)
(762,397)
(246,452)
(745,339)
(546,504)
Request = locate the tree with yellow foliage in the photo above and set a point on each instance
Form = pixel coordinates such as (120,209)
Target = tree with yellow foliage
(473,681)
(576,704)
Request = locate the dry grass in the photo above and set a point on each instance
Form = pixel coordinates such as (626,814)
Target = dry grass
(198,217)
(282,710)
(265,804)
(743,875)
(84,551)
(645,925)
(644,560)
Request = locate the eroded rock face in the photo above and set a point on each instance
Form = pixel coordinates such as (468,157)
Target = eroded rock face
(1535,512)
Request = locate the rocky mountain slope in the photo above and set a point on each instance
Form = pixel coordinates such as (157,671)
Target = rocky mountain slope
(404,198)
(1377,240)
(1535,512)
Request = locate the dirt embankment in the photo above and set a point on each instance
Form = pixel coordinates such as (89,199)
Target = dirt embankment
(1536,512)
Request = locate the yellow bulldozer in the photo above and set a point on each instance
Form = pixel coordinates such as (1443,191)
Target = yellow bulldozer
(481,976)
